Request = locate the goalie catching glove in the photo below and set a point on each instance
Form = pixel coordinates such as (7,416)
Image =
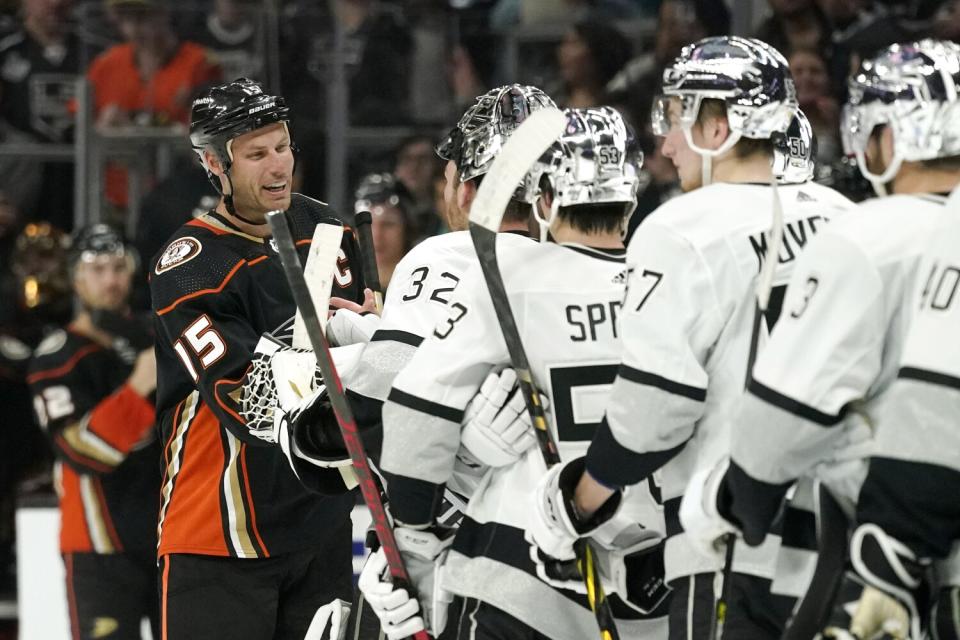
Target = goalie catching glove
(401,614)
(284,402)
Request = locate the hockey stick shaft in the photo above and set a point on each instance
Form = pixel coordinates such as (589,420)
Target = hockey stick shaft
(368,256)
(338,399)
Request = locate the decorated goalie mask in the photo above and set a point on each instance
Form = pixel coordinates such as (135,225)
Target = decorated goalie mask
(794,153)
(597,160)
(912,88)
(482,131)
(749,76)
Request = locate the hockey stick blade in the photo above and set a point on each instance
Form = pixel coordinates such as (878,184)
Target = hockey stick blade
(318,272)
(368,256)
(338,399)
(523,148)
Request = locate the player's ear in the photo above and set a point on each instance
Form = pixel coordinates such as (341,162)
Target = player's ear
(716,131)
(886,145)
(466,192)
(212,160)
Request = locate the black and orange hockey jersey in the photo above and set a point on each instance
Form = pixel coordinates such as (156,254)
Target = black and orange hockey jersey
(215,291)
(107,450)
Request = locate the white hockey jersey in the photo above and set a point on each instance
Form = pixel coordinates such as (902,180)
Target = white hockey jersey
(566,299)
(916,435)
(421,287)
(813,398)
(687,322)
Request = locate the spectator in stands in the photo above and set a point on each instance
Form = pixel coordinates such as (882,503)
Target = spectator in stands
(388,203)
(232,32)
(417,166)
(796,24)
(509,13)
(39,62)
(589,56)
(377,52)
(822,109)
(148,80)
(680,22)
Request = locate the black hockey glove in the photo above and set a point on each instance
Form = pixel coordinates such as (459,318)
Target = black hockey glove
(883,592)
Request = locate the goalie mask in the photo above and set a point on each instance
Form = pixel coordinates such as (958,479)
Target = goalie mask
(478,137)
(911,88)
(597,160)
(795,152)
(749,76)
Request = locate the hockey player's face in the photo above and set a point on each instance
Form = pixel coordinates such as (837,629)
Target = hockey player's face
(103,282)
(455,218)
(686,161)
(262,171)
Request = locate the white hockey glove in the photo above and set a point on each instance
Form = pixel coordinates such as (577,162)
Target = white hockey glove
(878,598)
(496,425)
(555,523)
(699,514)
(329,622)
(348,327)
(632,567)
(423,552)
(398,612)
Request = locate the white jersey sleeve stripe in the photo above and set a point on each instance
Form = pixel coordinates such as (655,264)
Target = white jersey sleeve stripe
(397,335)
(931,377)
(795,407)
(433,409)
(665,384)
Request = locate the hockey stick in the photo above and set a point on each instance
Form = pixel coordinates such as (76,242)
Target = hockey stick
(817,603)
(338,399)
(318,273)
(763,291)
(523,148)
(368,255)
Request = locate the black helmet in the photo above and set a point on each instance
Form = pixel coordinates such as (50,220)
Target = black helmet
(381,188)
(230,110)
(98,239)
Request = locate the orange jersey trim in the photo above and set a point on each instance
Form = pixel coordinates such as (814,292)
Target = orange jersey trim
(122,418)
(202,292)
(194,521)
(163,598)
(107,518)
(66,367)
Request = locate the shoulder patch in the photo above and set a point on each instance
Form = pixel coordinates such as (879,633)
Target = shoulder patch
(177,253)
(13,349)
(52,343)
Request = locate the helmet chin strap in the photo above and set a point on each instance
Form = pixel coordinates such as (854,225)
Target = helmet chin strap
(879,181)
(542,222)
(228,203)
(707,155)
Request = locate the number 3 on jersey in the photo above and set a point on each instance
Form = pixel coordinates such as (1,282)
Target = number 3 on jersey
(205,343)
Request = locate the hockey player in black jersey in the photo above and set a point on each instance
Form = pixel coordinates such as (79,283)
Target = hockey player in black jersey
(92,384)
(245,550)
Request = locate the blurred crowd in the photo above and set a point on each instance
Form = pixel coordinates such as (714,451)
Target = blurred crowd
(409,69)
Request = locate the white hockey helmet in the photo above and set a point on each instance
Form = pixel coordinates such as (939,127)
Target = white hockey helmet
(484,128)
(795,152)
(912,88)
(596,160)
(749,76)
